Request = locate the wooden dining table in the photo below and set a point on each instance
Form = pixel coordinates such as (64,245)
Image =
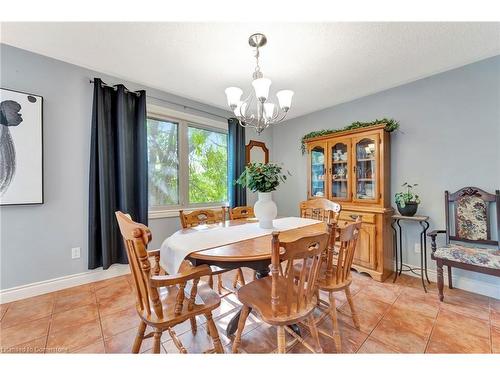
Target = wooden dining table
(254,253)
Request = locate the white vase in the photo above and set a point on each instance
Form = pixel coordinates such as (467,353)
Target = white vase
(265,210)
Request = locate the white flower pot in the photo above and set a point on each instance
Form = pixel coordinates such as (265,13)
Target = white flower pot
(265,210)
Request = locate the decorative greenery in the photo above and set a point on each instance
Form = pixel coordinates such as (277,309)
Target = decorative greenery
(390,126)
(262,177)
(403,198)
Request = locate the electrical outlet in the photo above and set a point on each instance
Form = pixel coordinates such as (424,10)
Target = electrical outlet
(417,248)
(75,253)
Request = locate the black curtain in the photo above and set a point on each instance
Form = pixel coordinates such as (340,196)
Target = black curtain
(236,162)
(118,169)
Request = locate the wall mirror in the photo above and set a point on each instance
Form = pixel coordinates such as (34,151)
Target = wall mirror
(256,152)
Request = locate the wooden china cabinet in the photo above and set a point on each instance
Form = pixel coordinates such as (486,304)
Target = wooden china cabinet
(353,168)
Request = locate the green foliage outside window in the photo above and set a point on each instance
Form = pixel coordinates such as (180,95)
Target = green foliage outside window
(207,166)
(163,163)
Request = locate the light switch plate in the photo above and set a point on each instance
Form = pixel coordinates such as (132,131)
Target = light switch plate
(75,253)
(417,248)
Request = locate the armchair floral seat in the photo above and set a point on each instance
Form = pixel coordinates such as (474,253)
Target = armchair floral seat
(477,256)
(470,224)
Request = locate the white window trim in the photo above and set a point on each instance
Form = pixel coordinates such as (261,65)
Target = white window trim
(184,120)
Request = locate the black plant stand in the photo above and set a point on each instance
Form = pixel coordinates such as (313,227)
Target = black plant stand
(424,223)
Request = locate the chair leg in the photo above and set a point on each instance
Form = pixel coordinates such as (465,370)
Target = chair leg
(333,315)
(241,325)
(211,281)
(281,340)
(241,277)
(450,279)
(156,341)
(440,280)
(214,334)
(354,314)
(139,337)
(194,325)
(219,283)
(254,275)
(314,334)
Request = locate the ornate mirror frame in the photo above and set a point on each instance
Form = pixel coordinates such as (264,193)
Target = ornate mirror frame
(258,144)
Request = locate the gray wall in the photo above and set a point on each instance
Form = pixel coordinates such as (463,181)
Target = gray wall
(36,241)
(449,138)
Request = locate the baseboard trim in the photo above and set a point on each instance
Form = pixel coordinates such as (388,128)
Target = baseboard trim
(59,283)
(465,283)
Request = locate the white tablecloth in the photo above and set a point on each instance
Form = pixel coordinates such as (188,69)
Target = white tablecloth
(179,245)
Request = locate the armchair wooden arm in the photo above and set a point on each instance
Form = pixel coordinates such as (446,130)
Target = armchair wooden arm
(433,234)
(181,277)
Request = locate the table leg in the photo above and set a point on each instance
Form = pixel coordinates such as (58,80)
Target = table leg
(395,239)
(425,248)
(400,247)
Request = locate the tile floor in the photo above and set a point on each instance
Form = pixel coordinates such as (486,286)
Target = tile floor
(395,318)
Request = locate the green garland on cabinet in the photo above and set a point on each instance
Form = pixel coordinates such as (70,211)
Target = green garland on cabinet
(390,126)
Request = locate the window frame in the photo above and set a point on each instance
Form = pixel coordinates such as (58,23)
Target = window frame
(184,121)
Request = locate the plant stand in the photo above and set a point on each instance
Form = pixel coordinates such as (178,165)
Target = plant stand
(398,246)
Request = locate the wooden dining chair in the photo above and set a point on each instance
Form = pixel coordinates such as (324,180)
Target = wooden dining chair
(240,213)
(281,300)
(320,209)
(202,217)
(164,301)
(335,276)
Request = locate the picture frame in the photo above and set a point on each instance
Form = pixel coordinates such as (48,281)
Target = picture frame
(21,148)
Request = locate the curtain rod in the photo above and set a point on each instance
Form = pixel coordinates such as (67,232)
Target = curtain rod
(167,101)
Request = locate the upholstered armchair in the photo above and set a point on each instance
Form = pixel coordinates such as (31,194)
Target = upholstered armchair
(468,223)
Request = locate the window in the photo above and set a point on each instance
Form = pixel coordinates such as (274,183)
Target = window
(207,165)
(163,163)
(187,161)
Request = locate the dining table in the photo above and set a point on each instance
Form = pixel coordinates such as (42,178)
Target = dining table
(229,246)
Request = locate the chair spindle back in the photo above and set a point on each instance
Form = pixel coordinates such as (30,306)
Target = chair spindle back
(242,212)
(289,294)
(200,217)
(136,237)
(339,273)
(320,209)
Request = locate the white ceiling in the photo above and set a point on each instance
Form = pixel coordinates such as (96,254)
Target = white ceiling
(324,63)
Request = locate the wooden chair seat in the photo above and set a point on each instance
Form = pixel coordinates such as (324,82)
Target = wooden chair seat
(257,296)
(206,300)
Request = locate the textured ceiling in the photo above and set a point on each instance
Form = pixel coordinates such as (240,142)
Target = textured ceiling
(324,63)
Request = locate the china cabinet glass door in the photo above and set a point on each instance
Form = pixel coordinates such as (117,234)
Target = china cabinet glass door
(366,169)
(340,159)
(318,175)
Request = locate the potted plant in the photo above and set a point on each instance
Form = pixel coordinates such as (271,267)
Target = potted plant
(407,202)
(263,178)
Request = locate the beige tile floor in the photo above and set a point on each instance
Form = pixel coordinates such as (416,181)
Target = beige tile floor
(395,318)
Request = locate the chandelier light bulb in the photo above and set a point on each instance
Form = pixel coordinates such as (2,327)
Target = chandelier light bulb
(285,99)
(240,109)
(269,110)
(261,87)
(233,96)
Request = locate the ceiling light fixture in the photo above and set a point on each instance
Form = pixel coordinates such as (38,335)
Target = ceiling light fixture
(258,111)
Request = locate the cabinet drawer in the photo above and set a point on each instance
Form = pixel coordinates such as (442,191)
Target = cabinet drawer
(365,217)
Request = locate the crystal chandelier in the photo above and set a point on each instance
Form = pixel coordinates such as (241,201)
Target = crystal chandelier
(258,111)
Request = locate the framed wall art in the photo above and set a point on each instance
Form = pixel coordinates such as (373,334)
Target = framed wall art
(21,148)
